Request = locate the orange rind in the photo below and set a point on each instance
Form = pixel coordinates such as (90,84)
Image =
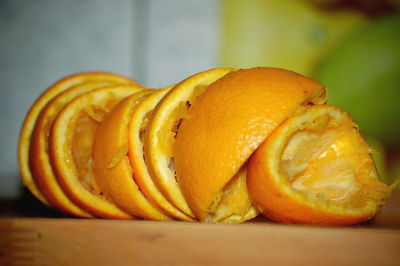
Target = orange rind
(226,124)
(113,170)
(40,164)
(30,121)
(163,128)
(316,168)
(137,141)
(71,143)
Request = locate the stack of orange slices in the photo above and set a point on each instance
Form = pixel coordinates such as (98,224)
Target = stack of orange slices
(221,146)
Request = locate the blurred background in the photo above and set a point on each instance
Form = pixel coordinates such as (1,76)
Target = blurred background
(353,47)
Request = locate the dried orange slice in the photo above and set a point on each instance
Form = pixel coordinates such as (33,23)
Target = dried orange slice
(71,143)
(113,170)
(316,168)
(162,129)
(30,120)
(225,125)
(137,131)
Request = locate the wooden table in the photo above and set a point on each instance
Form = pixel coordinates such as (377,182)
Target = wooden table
(68,241)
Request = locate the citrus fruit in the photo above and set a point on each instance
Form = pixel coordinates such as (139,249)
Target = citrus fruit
(162,130)
(225,125)
(30,120)
(316,168)
(40,164)
(363,77)
(71,143)
(113,171)
(137,141)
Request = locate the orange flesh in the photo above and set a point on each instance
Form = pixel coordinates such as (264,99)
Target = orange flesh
(82,143)
(82,138)
(332,162)
(232,204)
(143,126)
(169,129)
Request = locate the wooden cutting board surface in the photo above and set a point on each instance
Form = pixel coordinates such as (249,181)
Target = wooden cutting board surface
(25,241)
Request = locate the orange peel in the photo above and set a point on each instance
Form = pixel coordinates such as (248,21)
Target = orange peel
(71,143)
(40,164)
(316,168)
(31,117)
(137,141)
(113,170)
(162,130)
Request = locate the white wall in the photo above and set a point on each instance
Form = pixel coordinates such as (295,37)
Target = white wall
(182,39)
(156,42)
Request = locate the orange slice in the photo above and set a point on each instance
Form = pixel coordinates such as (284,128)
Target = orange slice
(162,129)
(113,170)
(137,130)
(41,167)
(30,120)
(316,168)
(71,142)
(225,125)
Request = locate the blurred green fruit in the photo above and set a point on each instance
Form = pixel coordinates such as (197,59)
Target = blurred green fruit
(363,77)
(293,35)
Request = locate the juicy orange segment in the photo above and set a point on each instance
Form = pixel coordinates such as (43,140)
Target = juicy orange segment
(232,204)
(163,128)
(116,180)
(137,141)
(30,120)
(71,143)
(316,168)
(227,123)
(40,164)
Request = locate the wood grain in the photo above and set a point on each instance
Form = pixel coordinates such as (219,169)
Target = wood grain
(110,242)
